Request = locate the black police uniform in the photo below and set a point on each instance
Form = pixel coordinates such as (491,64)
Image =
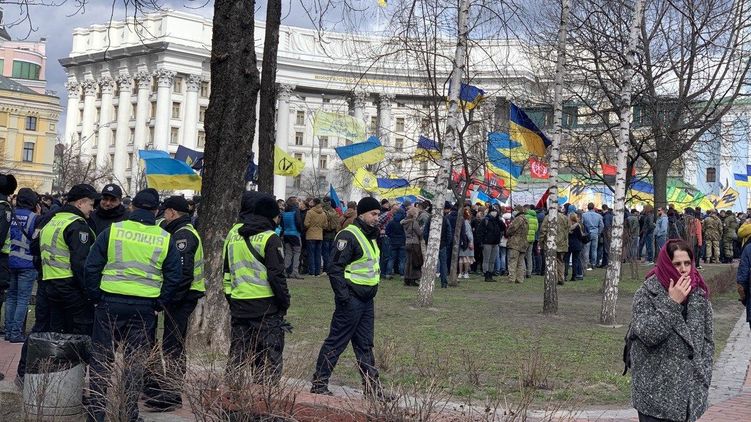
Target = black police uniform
(164,393)
(5,217)
(102,219)
(257,325)
(126,319)
(354,315)
(70,310)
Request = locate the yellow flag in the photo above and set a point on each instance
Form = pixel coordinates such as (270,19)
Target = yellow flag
(285,164)
(338,125)
(366,180)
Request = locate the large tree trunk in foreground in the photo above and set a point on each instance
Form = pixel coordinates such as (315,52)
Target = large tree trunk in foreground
(267,105)
(613,274)
(550,296)
(427,282)
(230,126)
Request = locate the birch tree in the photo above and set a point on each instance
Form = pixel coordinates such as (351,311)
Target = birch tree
(613,274)
(550,301)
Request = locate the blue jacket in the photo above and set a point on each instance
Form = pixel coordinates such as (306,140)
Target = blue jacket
(593,223)
(662,226)
(743,274)
(447,232)
(395,231)
(97,259)
(20,248)
(291,223)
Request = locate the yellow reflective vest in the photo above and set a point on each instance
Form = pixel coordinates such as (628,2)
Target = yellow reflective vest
(135,254)
(55,252)
(365,271)
(247,277)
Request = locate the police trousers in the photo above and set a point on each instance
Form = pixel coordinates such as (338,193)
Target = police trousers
(353,321)
(256,345)
(69,310)
(129,325)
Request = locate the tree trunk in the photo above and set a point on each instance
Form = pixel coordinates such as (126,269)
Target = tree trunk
(660,182)
(613,274)
(454,269)
(267,105)
(230,126)
(550,300)
(427,282)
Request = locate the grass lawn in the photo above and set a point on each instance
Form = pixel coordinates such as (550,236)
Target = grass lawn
(482,339)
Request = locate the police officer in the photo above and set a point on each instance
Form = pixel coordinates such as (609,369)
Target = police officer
(7,187)
(176,315)
(110,209)
(256,287)
(133,271)
(354,273)
(64,244)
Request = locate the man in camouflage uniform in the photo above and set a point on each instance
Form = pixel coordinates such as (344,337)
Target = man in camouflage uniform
(517,245)
(729,235)
(561,241)
(712,233)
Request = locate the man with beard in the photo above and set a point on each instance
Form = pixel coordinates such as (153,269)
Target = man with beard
(110,209)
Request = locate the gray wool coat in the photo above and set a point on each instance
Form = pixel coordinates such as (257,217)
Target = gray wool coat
(671,357)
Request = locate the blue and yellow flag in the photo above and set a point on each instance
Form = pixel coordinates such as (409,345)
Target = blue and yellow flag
(727,199)
(285,164)
(741,180)
(337,125)
(504,167)
(642,191)
(427,149)
(365,180)
(503,143)
(359,155)
(523,130)
(165,173)
(470,96)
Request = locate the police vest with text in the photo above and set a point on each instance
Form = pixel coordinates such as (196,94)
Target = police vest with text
(247,278)
(135,255)
(199,281)
(365,271)
(54,250)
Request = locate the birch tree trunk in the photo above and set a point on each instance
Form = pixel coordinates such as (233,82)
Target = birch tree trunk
(550,301)
(613,274)
(427,282)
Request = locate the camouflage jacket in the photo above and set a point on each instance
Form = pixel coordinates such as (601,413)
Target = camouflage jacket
(517,233)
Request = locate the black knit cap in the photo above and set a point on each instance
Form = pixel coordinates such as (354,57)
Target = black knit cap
(81,191)
(266,206)
(367,204)
(8,184)
(147,199)
(177,203)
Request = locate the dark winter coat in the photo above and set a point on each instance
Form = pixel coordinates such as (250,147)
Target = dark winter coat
(102,218)
(575,235)
(671,354)
(395,231)
(347,250)
(490,230)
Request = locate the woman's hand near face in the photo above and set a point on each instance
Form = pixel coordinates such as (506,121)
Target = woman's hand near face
(679,290)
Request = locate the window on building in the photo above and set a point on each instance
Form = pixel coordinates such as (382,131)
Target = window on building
(401,105)
(300,118)
(112,139)
(205,89)
(425,124)
(201,141)
(297,182)
(322,182)
(324,140)
(326,100)
(298,138)
(3,119)
(373,124)
(173,136)
(129,182)
(400,124)
(201,114)
(177,85)
(323,161)
(299,156)
(129,164)
(399,144)
(153,109)
(132,137)
(175,110)
(31,123)
(25,70)
(28,152)
(711,175)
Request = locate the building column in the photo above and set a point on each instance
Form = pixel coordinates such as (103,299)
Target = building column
(164,79)
(384,118)
(106,84)
(359,101)
(119,164)
(71,118)
(190,122)
(89,114)
(282,133)
(141,120)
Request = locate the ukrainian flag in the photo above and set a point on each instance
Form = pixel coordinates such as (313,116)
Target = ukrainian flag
(165,173)
(427,148)
(503,143)
(642,191)
(504,167)
(365,180)
(359,155)
(523,130)
(470,96)
(742,180)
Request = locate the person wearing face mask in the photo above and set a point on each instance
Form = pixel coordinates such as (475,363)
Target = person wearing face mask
(64,243)
(110,209)
(354,274)
(670,340)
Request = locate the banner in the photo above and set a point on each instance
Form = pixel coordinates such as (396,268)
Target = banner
(538,169)
(338,125)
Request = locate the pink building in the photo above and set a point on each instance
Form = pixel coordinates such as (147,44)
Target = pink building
(23,61)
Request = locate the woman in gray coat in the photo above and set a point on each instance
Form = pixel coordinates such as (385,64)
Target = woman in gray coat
(671,339)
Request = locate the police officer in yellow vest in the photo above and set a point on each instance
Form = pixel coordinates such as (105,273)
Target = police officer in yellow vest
(133,271)
(176,315)
(64,243)
(354,273)
(7,187)
(256,288)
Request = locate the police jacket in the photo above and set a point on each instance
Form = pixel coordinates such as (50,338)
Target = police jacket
(79,238)
(276,276)
(346,250)
(103,219)
(171,268)
(186,243)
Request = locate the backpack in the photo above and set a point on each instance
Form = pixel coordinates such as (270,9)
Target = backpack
(628,340)
(583,237)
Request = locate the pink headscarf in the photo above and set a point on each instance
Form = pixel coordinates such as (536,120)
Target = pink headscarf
(665,271)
